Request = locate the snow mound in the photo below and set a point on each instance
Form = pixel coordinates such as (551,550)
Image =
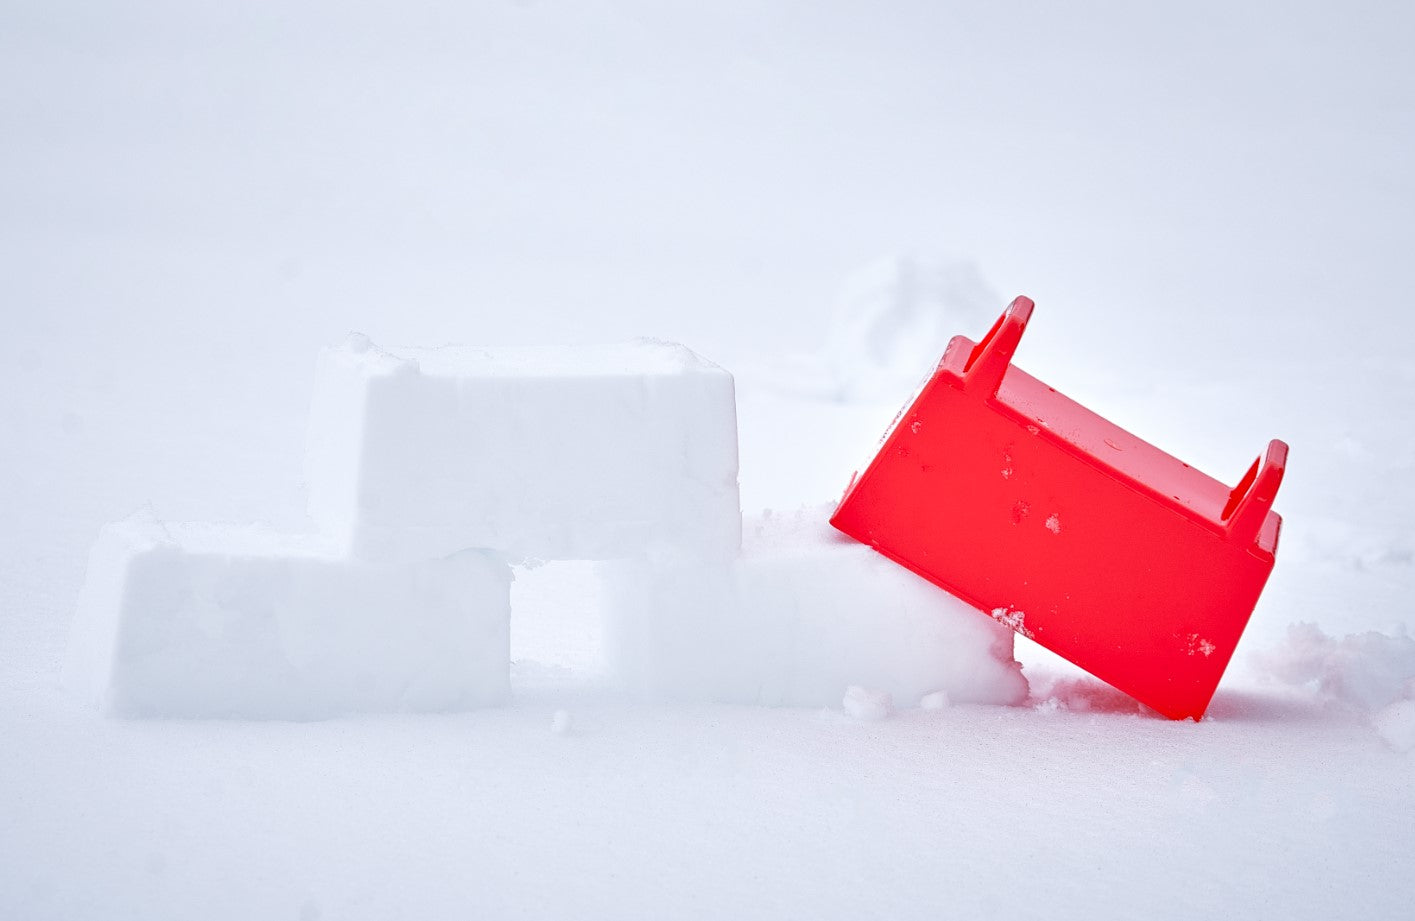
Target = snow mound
(1366,671)
(801,615)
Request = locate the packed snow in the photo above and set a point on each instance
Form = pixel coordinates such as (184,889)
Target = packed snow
(223,622)
(587,452)
(1209,203)
(803,613)
(204,621)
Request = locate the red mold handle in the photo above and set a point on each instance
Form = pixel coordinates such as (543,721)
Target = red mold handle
(1248,504)
(988,361)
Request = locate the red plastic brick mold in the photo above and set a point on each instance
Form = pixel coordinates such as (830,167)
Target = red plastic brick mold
(1068,529)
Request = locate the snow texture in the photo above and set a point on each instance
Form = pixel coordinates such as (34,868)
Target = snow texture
(936,700)
(1396,725)
(539,453)
(561,723)
(802,615)
(1366,671)
(207,621)
(867,704)
(1012,619)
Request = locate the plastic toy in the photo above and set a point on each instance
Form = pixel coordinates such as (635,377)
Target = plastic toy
(1068,529)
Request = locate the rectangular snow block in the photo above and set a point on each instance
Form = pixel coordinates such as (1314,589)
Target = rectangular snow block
(538,453)
(800,616)
(208,621)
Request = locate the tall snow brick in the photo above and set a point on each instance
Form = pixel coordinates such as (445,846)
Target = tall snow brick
(213,621)
(538,453)
(801,615)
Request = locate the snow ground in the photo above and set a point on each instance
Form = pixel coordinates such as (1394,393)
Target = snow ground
(1209,204)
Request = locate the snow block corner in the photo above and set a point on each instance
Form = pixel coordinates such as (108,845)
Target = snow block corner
(210,621)
(539,452)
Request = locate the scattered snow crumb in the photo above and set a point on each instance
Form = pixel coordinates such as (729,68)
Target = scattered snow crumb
(1054,524)
(866,704)
(560,723)
(1197,644)
(938,700)
(915,426)
(1017,620)
(1006,472)
(1050,705)
(1396,725)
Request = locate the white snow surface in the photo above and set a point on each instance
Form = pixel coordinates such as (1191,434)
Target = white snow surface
(557,452)
(1209,203)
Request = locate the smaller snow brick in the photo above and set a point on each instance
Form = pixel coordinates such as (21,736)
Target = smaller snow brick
(799,618)
(209,621)
(539,453)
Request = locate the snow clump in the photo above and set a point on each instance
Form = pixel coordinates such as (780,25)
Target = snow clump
(866,704)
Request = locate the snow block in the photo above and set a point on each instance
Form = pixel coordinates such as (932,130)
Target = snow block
(539,453)
(208,621)
(801,616)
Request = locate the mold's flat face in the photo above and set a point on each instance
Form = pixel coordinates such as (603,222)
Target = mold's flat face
(1023,521)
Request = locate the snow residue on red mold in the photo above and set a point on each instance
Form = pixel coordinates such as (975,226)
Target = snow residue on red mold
(1008,617)
(1200,646)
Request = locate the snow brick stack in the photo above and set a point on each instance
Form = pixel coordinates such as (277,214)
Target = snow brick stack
(803,614)
(212,621)
(431,472)
(537,453)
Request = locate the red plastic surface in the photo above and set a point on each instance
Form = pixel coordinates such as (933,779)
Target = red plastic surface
(1065,527)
